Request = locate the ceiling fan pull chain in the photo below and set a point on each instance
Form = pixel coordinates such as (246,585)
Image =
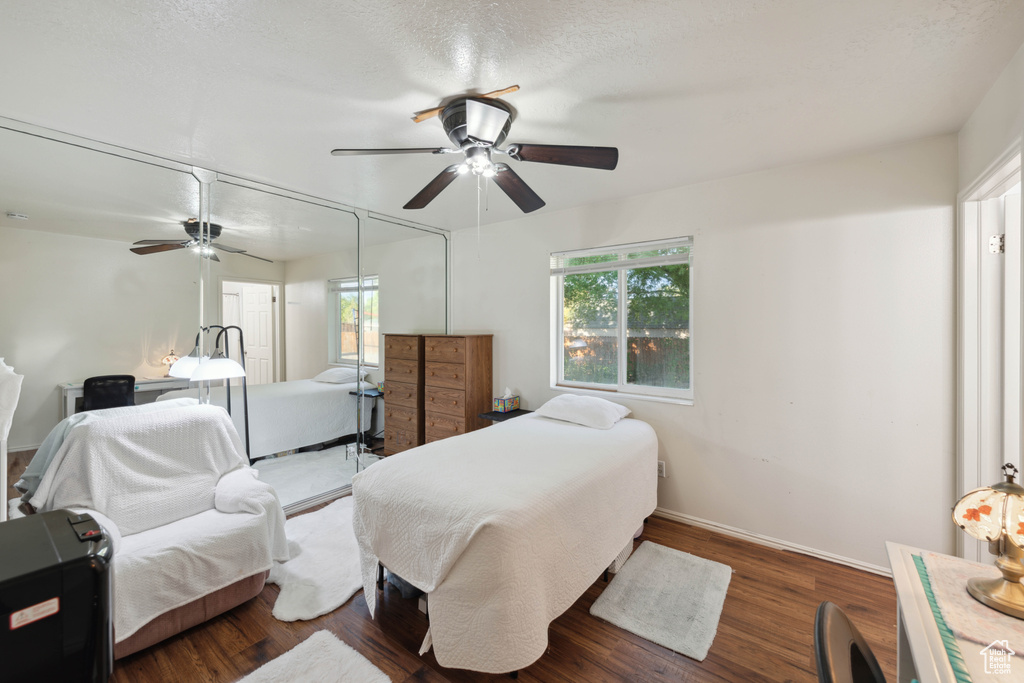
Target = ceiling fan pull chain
(478,218)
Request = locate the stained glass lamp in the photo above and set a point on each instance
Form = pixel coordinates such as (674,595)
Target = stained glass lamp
(996,514)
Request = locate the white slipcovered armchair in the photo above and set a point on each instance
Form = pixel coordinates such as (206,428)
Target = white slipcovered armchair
(194,531)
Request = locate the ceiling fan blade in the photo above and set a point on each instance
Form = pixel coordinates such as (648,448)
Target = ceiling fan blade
(230,250)
(236,250)
(433,188)
(210,255)
(260,258)
(431,113)
(567,155)
(484,122)
(158,248)
(159,242)
(406,150)
(518,191)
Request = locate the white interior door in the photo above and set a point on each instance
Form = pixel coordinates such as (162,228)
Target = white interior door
(258,327)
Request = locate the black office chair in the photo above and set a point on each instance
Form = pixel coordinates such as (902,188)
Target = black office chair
(842,654)
(108,391)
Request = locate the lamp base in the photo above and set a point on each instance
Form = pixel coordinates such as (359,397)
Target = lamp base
(999,594)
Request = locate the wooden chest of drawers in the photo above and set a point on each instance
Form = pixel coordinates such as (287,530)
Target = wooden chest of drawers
(456,383)
(434,387)
(403,392)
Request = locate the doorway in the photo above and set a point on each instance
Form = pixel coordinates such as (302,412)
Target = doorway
(252,306)
(991,335)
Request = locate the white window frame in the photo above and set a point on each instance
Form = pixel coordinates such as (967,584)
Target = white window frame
(558,272)
(333,355)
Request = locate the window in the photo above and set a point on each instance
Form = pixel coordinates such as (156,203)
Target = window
(343,321)
(623,318)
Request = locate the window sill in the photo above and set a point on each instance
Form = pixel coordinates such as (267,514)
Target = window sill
(368,366)
(623,395)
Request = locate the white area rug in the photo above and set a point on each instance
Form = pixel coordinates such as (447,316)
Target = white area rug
(667,597)
(300,476)
(321,658)
(323,572)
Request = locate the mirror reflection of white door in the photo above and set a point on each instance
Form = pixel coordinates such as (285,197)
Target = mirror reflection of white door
(250,306)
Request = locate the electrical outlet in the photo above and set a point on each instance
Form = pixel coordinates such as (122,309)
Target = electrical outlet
(661,468)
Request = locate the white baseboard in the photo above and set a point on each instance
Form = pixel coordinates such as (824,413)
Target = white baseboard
(771,542)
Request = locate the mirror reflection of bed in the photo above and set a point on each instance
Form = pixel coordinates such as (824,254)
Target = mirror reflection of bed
(122,312)
(298,430)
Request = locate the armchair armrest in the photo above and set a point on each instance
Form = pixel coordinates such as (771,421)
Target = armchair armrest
(239,491)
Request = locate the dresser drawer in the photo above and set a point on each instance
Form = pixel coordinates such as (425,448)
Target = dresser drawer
(450,375)
(396,440)
(400,418)
(447,401)
(442,426)
(401,347)
(445,349)
(401,394)
(397,370)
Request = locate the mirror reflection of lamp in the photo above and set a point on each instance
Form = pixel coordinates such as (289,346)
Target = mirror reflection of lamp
(996,514)
(169,360)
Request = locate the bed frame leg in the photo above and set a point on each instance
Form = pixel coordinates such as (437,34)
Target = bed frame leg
(380,576)
(606,576)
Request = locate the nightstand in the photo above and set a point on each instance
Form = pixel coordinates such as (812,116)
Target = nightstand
(495,416)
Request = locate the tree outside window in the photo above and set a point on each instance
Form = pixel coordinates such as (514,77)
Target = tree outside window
(345,330)
(625,317)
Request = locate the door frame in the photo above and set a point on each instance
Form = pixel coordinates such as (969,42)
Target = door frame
(278,322)
(971,248)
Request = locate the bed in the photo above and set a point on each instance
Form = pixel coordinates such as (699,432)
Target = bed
(287,415)
(504,528)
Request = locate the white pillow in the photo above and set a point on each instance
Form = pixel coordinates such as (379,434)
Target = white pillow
(589,411)
(338,375)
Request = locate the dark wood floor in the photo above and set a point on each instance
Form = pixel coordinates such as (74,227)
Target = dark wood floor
(765,633)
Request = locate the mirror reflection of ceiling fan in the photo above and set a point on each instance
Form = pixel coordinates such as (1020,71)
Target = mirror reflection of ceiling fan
(476,127)
(192,228)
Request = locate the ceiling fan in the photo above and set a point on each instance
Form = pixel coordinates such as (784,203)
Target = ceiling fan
(192,228)
(476,127)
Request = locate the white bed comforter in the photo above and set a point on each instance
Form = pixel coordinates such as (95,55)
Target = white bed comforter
(505,528)
(288,415)
(186,514)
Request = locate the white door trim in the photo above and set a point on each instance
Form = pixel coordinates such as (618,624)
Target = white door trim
(972,246)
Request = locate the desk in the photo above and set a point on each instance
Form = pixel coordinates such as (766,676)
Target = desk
(150,388)
(920,653)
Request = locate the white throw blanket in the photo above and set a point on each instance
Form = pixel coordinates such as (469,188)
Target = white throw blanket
(505,528)
(44,455)
(188,517)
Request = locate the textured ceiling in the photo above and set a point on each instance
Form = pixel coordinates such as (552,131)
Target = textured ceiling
(688,90)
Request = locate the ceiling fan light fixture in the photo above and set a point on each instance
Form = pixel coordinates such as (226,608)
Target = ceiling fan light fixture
(462,168)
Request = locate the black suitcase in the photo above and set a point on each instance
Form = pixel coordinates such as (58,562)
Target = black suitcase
(55,599)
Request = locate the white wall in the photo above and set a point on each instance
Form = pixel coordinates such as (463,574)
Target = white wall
(412,296)
(995,124)
(75,307)
(823,323)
